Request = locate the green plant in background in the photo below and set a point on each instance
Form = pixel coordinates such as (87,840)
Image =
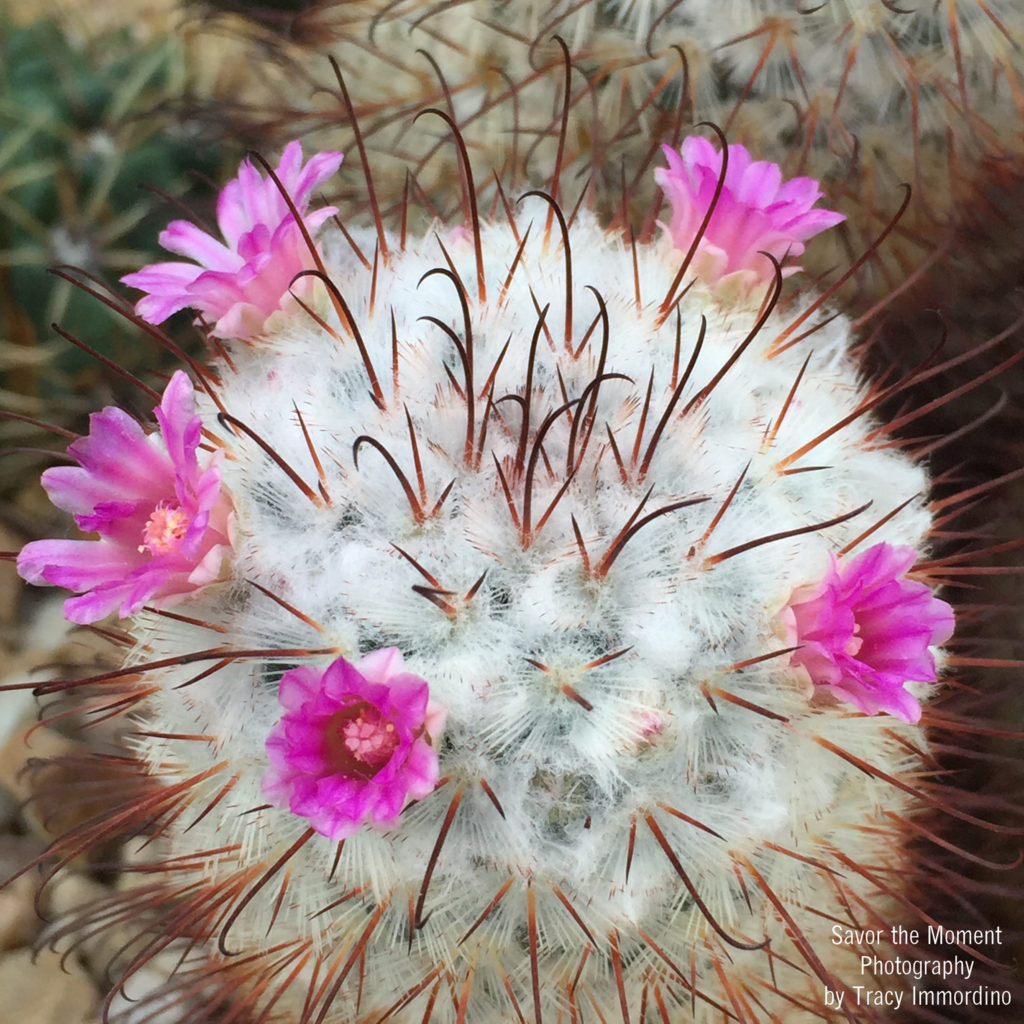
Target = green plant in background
(82,130)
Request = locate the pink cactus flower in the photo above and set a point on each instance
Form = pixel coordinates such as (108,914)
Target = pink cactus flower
(354,744)
(238,285)
(864,631)
(163,518)
(756,212)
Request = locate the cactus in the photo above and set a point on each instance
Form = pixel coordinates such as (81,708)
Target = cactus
(84,128)
(529,620)
(864,94)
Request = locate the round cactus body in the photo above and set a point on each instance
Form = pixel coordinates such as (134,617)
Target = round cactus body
(525,619)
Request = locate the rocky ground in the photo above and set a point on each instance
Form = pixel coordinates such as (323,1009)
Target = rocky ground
(39,984)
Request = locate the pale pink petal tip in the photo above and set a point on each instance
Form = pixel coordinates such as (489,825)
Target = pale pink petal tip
(756,213)
(354,745)
(865,631)
(239,282)
(157,503)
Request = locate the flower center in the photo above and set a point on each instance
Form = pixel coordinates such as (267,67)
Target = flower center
(164,530)
(358,741)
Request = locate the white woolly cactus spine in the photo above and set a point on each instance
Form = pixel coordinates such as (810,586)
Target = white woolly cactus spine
(591,502)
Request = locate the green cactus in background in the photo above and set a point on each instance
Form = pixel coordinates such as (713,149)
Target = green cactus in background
(82,130)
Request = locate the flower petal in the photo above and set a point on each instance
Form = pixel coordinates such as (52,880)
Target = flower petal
(865,631)
(240,282)
(755,212)
(338,726)
(161,515)
(186,239)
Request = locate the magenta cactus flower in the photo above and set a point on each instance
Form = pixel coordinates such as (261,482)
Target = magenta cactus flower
(865,631)
(354,744)
(163,518)
(756,213)
(240,282)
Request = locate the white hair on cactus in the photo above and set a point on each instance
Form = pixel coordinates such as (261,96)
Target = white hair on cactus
(575,495)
